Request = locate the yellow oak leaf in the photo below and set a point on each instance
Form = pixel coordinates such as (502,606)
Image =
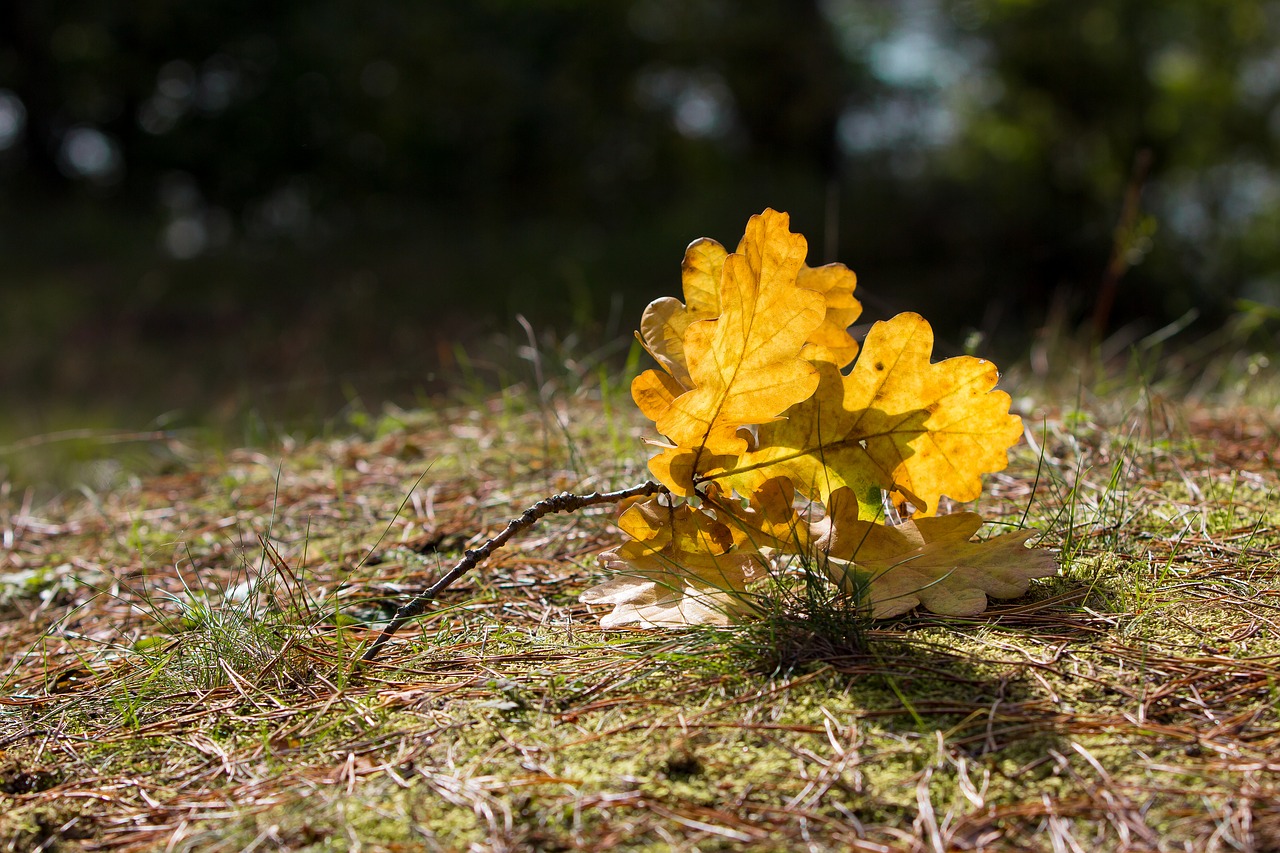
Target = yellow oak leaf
(896,422)
(662,328)
(680,566)
(831,341)
(744,365)
(757,414)
(665,321)
(700,273)
(770,519)
(680,469)
(931,561)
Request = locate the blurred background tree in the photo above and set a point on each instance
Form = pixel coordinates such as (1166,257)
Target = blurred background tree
(200,199)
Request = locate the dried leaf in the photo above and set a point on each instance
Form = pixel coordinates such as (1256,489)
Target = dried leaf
(681,566)
(831,341)
(931,561)
(744,365)
(753,405)
(769,521)
(896,422)
(665,321)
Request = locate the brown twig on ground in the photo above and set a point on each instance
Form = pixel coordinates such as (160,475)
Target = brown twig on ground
(563,502)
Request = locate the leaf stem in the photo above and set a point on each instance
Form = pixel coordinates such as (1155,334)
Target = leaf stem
(563,502)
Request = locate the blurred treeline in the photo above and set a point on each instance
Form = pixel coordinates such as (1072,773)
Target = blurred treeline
(197,196)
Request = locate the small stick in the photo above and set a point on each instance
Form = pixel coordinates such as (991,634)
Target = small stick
(563,502)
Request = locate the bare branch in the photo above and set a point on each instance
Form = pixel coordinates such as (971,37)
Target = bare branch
(563,502)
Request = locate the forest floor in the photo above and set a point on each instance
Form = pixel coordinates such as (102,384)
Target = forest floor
(177,655)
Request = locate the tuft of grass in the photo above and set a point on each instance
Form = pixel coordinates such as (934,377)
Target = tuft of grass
(803,618)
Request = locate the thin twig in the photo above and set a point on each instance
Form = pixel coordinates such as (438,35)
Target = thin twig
(563,502)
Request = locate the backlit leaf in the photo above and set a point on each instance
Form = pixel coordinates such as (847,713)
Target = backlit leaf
(744,365)
(831,341)
(665,320)
(931,561)
(784,457)
(680,566)
(897,422)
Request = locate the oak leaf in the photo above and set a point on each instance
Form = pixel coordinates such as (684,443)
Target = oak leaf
(931,561)
(831,341)
(744,365)
(896,422)
(768,522)
(787,455)
(665,320)
(924,560)
(680,566)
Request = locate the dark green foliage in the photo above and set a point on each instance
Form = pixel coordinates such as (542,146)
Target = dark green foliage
(252,178)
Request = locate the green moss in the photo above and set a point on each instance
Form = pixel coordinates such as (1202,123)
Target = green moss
(46,826)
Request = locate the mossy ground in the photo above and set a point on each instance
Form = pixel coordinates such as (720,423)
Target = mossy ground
(176,658)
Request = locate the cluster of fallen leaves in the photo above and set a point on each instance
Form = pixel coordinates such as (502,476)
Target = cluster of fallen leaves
(783,441)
